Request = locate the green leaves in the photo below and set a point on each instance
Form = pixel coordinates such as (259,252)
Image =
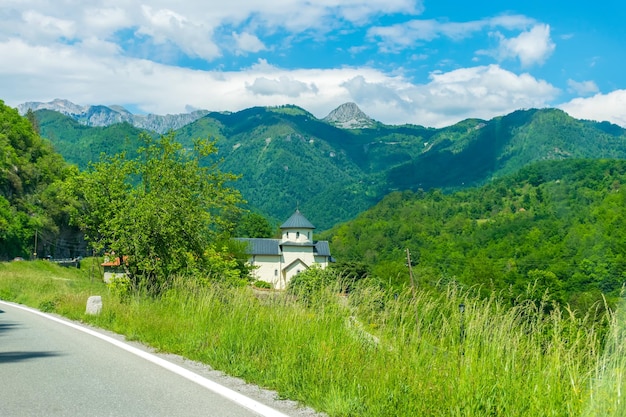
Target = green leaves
(556,225)
(30,177)
(163,210)
(254,225)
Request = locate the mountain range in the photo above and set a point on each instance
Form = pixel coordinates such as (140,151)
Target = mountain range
(99,115)
(336,167)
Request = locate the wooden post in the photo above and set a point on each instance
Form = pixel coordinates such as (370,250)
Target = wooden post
(408,261)
(413,289)
(35,251)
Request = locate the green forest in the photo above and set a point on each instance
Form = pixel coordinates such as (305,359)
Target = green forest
(555,229)
(287,158)
(32,203)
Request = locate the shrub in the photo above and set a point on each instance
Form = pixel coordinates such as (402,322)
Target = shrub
(310,282)
(120,287)
(262,284)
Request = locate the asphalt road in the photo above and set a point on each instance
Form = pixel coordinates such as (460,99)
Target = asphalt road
(53,367)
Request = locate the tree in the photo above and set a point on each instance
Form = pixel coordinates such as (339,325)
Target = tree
(164,212)
(31,174)
(254,225)
(30,115)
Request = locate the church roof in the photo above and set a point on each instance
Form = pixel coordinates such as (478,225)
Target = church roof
(259,246)
(297,221)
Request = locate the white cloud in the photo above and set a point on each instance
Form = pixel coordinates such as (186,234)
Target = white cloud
(583,88)
(49,26)
(91,54)
(248,43)
(482,92)
(414,32)
(283,86)
(81,73)
(105,21)
(530,47)
(194,37)
(601,107)
(190,26)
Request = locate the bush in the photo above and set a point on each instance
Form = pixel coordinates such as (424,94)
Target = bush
(310,282)
(262,284)
(121,288)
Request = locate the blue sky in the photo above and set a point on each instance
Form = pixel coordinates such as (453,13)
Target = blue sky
(426,62)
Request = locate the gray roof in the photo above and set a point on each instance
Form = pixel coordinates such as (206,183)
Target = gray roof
(322,248)
(259,246)
(297,221)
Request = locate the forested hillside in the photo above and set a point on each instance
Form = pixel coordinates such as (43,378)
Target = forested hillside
(31,204)
(557,226)
(80,144)
(286,157)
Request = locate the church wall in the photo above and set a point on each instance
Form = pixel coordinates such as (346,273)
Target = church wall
(268,269)
(304,253)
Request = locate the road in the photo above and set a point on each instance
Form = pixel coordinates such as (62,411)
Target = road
(53,367)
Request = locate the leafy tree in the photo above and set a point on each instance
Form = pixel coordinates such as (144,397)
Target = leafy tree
(164,212)
(31,174)
(30,115)
(254,225)
(350,272)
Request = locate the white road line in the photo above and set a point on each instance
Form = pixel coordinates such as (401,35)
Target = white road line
(228,393)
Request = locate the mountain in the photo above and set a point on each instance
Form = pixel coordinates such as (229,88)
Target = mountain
(81,144)
(288,158)
(349,116)
(555,229)
(99,116)
(474,151)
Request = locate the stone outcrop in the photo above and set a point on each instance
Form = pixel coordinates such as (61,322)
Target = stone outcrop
(349,116)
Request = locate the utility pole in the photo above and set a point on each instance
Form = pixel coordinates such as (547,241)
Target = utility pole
(35,251)
(408,262)
(413,289)
(462,331)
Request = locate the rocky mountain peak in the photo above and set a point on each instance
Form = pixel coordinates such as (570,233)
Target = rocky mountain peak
(62,106)
(349,116)
(107,115)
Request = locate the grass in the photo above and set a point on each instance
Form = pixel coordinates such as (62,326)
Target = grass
(371,354)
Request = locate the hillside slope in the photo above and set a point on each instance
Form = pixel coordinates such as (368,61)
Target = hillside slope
(32,206)
(555,226)
(288,158)
(81,144)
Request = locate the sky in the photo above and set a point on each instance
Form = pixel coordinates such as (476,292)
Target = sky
(425,62)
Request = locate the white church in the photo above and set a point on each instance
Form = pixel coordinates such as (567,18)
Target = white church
(277,260)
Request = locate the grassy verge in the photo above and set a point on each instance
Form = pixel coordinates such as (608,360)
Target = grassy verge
(372,354)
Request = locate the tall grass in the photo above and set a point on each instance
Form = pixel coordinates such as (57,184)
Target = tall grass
(375,353)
